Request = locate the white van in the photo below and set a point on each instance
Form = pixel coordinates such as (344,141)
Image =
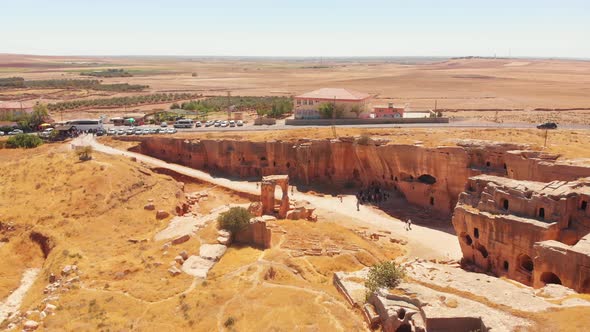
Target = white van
(184,123)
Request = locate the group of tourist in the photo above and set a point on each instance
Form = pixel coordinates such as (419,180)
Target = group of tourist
(373,194)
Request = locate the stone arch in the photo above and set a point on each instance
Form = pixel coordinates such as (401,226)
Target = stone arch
(427,179)
(526,263)
(550,278)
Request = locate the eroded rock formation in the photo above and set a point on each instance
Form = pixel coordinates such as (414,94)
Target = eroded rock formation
(534,232)
(429,177)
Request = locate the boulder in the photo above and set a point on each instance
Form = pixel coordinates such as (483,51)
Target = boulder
(212,252)
(161,214)
(149,207)
(183,254)
(174,271)
(255,209)
(181,239)
(30,325)
(68,269)
(178,259)
(197,266)
(223,240)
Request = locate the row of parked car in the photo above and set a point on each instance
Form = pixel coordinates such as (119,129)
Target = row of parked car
(222,123)
(13,132)
(138,131)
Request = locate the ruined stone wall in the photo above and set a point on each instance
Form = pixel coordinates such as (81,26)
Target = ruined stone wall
(570,265)
(429,177)
(501,230)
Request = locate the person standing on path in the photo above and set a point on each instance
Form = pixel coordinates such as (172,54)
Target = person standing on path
(358,204)
(409,224)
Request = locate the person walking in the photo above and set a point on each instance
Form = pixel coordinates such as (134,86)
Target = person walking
(358,204)
(409,224)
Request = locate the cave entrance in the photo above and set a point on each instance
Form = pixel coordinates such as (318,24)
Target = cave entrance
(584,205)
(427,179)
(404,328)
(401,313)
(550,278)
(482,250)
(542,213)
(432,201)
(466,238)
(506,265)
(526,263)
(505,204)
(43,241)
(476,232)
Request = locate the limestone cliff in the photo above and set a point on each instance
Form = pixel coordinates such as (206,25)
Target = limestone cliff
(429,177)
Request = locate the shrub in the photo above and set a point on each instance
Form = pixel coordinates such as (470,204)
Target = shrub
(234,220)
(84,153)
(24,141)
(384,275)
(230,321)
(365,139)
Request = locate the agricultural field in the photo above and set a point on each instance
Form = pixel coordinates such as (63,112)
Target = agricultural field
(504,90)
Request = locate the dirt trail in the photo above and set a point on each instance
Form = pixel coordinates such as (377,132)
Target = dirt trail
(423,242)
(14,300)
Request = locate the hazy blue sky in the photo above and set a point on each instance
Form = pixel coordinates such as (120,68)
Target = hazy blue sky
(297,28)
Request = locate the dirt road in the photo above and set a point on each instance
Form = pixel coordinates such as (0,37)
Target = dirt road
(423,242)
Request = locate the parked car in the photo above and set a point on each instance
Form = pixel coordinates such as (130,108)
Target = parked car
(240,123)
(164,124)
(232,123)
(1,133)
(120,132)
(224,123)
(217,124)
(171,131)
(99,132)
(46,133)
(111,132)
(547,125)
(208,123)
(198,124)
(16,132)
(130,131)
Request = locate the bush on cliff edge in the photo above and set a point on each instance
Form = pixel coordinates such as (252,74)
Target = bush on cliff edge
(24,141)
(384,275)
(235,219)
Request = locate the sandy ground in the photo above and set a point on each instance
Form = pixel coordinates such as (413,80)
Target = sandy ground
(13,302)
(423,242)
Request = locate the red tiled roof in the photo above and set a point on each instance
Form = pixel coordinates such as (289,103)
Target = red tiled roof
(334,93)
(16,104)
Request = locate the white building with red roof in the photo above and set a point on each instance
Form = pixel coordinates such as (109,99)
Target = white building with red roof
(11,109)
(353,104)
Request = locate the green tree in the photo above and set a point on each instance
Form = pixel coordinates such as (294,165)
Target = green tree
(384,275)
(356,110)
(24,141)
(174,106)
(235,219)
(326,110)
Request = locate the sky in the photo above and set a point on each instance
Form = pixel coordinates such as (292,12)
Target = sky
(314,28)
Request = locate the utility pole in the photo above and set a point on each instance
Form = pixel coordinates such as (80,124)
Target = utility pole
(228,105)
(334,119)
(546,133)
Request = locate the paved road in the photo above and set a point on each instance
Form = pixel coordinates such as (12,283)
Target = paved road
(423,242)
(453,124)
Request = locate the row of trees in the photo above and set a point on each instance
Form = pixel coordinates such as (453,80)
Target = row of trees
(19,82)
(120,101)
(107,73)
(332,111)
(270,106)
(28,121)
